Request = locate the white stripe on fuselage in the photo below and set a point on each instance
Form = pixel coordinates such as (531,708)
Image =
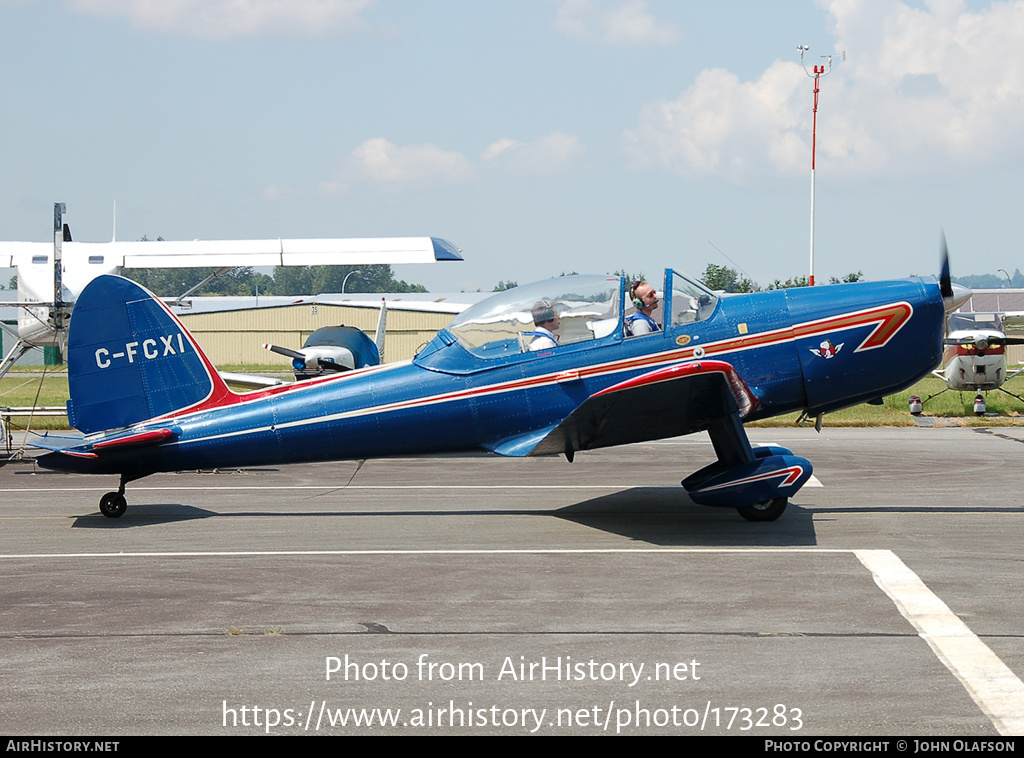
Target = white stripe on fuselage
(648,361)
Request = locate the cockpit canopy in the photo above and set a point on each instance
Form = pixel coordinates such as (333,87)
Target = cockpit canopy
(587,307)
(963,322)
(590,309)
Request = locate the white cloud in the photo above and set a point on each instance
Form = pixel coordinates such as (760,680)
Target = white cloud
(224,19)
(275,192)
(549,154)
(723,125)
(622,23)
(380,161)
(921,86)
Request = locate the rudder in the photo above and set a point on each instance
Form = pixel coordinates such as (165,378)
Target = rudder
(131,360)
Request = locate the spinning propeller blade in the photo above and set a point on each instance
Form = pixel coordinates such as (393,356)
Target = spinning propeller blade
(945,282)
(953,295)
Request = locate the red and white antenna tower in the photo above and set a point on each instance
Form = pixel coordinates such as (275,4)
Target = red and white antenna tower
(819,71)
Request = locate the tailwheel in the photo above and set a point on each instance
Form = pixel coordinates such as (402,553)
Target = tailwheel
(113,504)
(769,510)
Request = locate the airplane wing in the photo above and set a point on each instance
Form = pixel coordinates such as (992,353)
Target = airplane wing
(250,381)
(231,253)
(669,402)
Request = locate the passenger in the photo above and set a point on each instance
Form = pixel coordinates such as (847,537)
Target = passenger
(645,300)
(546,323)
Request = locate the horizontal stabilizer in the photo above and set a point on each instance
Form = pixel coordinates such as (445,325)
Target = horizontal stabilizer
(83,447)
(57,442)
(139,439)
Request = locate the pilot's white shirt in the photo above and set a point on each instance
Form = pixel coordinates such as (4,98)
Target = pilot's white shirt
(545,339)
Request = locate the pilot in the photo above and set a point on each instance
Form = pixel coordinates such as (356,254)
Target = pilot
(645,300)
(546,323)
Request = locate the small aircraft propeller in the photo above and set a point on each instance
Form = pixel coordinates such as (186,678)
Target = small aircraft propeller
(945,281)
(314,358)
(984,343)
(294,354)
(330,349)
(285,352)
(953,295)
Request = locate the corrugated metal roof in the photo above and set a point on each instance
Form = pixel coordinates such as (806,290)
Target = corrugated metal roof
(994,301)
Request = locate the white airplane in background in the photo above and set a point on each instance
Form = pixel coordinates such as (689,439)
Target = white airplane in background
(51,276)
(974,355)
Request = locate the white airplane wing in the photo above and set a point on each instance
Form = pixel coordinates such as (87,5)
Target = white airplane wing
(221,253)
(1014,318)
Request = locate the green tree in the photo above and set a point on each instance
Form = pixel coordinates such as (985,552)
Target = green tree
(848,279)
(630,276)
(315,280)
(793,281)
(725,279)
(287,280)
(503,285)
(172,282)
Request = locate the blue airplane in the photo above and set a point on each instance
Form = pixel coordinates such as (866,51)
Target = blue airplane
(147,399)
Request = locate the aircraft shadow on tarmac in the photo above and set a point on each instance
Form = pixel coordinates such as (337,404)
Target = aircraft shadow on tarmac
(145,515)
(666,516)
(655,515)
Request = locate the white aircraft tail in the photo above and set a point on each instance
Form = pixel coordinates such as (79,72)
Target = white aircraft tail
(378,339)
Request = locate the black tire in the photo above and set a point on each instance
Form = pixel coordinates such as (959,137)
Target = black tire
(113,505)
(769,510)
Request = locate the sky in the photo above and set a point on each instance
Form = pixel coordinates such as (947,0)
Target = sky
(539,136)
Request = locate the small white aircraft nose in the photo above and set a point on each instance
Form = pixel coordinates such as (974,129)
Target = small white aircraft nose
(960,296)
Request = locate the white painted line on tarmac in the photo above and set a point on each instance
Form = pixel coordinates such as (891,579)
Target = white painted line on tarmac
(990,682)
(439,551)
(812,482)
(341,486)
(994,687)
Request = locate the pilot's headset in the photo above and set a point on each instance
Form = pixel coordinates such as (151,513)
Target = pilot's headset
(637,302)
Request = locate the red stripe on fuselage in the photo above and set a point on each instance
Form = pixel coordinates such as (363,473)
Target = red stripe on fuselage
(889,319)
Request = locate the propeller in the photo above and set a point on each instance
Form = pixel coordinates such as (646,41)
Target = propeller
(331,349)
(984,343)
(285,352)
(953,295)
(329,358)
(945,281)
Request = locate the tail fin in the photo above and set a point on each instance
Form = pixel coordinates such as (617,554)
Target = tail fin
(131,360)
(382,321)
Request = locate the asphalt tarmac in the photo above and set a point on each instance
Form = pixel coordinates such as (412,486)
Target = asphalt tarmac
(482,595)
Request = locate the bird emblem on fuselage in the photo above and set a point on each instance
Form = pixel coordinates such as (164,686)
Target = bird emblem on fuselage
(827,349)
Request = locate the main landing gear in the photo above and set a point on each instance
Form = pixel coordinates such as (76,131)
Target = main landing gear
(114,504)
(757,482)
(769,510)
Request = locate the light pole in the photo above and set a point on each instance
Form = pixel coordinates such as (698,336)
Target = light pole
(345,280)
(819,71)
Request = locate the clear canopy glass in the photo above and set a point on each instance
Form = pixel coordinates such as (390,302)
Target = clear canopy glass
(587,307)
(691,301)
